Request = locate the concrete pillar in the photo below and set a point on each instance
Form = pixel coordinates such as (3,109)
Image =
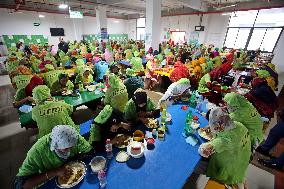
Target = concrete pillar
(153,24)
(101,18)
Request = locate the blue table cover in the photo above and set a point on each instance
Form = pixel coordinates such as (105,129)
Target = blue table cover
(166,166)
(85,127)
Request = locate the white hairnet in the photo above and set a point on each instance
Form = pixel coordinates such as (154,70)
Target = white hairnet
(219,118)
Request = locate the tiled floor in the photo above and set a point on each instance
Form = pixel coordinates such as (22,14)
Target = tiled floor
(15,142)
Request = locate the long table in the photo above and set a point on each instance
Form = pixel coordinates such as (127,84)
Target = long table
(83,98)
(167,166)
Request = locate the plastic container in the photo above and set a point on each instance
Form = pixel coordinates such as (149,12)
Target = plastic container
(108,149)
(102,178)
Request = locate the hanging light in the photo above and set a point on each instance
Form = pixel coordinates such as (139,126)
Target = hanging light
(63,6)
(41,16)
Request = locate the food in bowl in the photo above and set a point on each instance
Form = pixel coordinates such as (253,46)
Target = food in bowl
(152,123)
(121,140)
(76,174)
(98,163)
(136,148)
(138,135)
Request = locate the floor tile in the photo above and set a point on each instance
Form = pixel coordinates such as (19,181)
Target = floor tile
(259,177)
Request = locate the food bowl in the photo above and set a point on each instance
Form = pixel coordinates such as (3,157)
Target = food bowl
(150,141)
(78,173)
(98,163)
(138,135)
(152,123)
(136,149)
(195,118)
(91,88)
(195,125)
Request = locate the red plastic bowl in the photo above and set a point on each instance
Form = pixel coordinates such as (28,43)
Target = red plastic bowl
(150,141)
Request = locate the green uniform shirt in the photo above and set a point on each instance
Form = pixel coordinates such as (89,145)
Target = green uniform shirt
(12,66)
(57,88)
(81,79)
(136,63)
(202,87)
(217,61)
(130,109)
(231,158)
(50,114)
(51,77)
(117,97)
(22,80)
(20,94)
(41,159)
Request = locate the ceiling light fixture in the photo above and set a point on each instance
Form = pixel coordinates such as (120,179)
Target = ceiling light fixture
(116,21)
(41,16)
(226,14)
(63,6)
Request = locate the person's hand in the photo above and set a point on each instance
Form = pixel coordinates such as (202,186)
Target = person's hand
(125,126)
(114,128)
(64,89)
(144,121)
(141,114)
(30,99)
(205,150)
(62,171)
(209,84)
(86,84)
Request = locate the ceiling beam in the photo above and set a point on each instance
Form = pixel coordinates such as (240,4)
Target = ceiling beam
(195,4)
(111,2)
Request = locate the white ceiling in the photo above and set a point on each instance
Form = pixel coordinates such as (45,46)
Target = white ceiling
(135,8)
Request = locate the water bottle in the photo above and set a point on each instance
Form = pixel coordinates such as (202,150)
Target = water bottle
(108,149)
(102,178)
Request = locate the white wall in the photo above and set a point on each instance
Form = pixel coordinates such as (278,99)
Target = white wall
(131,28)
(22,24)
(215,27)
(278,58)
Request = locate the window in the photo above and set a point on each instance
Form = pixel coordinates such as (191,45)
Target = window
(254,29)
(140,28)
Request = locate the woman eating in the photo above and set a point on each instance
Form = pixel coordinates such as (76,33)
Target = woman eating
(140,107)
(63,84)
(107,125)
(229,151)
(176,91)
(48,155)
